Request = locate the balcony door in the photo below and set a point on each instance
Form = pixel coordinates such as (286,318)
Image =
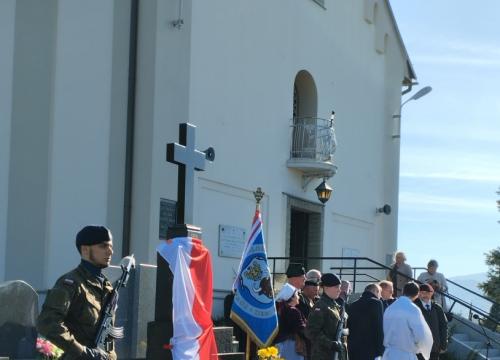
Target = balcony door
(305,103)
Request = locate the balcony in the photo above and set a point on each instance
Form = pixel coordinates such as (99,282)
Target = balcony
(312,147)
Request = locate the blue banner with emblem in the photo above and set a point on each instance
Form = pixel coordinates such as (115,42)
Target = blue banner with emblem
(253,308)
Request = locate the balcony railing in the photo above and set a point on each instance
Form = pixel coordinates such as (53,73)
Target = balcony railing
(313,145)
(313,138)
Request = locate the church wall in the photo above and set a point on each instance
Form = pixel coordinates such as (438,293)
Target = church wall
(84,114)
(244,61)
(29,141)
(7,25)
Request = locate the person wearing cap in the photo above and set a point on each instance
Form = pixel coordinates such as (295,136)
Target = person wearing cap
(406,332)
(324,321)
(435,318)
(436,280)
(296,276)
(72,308)
(310,294)
(290,339)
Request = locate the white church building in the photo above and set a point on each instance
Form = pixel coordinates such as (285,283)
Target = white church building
(91,91)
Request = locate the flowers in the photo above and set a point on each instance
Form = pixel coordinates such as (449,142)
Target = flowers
(269,353)
(47,350)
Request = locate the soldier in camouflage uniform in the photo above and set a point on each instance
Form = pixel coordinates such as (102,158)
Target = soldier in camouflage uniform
(70,314)
(323,322)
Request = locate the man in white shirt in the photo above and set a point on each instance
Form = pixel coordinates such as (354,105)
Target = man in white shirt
(406,332)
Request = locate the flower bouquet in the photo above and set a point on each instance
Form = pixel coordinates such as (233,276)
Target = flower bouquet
(269,353)
(47,350)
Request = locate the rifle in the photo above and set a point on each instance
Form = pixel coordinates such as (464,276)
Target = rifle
(107,332)
(341,331)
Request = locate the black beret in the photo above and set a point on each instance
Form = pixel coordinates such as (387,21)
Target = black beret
(92,235)
(295,269)
(312,282)
(330,279)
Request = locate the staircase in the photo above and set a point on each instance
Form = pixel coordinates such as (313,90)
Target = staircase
(469,342)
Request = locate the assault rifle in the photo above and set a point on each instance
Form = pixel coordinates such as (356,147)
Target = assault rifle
(107,332)
(342,331)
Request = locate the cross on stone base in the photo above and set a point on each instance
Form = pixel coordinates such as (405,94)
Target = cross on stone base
(184,154)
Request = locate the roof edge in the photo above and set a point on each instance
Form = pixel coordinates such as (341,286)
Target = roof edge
(411,75)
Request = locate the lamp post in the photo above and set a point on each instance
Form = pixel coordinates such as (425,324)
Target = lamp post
(397,117)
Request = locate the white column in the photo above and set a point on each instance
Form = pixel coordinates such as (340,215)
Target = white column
(79,150)
(7,23)
(164,66)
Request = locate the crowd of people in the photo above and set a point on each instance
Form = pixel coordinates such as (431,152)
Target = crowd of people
(396,318)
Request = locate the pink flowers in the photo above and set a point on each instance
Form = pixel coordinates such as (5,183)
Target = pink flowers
(47,350)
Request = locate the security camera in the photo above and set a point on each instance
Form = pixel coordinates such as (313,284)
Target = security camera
(386,209)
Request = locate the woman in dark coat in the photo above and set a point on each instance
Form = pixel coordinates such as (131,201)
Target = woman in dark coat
(291,324)
(365,323)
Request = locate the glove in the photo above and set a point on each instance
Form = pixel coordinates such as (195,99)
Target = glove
(95,354)
(336,346)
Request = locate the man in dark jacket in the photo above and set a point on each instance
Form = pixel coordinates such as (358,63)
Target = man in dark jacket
(435,318)
(70,314)
(365,323)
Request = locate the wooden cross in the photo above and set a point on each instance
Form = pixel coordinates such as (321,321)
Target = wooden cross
(189,160)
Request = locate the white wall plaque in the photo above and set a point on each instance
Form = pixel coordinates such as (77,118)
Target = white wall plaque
(231,241)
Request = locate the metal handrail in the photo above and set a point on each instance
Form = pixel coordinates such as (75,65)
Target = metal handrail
(312,138)
(493,302)
(380,266)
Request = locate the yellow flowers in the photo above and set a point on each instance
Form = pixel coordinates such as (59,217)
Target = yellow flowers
(269,353)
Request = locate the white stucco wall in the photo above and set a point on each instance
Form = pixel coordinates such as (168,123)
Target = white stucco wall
(244,61)
(7,18)
(79,148)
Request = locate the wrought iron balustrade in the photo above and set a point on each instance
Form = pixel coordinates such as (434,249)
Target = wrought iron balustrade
(313,138)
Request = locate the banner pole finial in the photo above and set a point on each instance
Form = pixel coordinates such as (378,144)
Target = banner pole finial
(258,194)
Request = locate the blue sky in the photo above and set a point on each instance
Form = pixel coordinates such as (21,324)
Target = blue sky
(450,139)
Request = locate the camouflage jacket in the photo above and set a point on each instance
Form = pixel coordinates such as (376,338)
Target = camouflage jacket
(70,314)
(321,328)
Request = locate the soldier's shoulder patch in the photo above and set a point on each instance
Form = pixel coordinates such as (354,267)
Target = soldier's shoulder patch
(68,281)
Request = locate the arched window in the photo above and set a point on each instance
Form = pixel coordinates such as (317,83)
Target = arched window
(305,103)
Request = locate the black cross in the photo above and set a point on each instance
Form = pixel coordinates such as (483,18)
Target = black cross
(189,159)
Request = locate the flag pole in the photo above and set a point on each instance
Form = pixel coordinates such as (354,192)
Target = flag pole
(247,348)
(258,194)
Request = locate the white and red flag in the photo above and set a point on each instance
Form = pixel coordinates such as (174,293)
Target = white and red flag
(191,265)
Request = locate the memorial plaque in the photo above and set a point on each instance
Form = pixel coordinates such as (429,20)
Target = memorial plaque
(231,241)
(168,216)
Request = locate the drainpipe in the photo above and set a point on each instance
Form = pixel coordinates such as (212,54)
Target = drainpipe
(129,147)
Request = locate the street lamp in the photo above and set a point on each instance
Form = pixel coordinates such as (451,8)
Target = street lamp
(397,117)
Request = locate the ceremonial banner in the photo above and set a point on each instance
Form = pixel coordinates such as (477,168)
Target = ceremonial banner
(192,298)
(253,308)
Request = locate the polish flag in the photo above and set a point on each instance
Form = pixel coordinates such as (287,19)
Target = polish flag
(192,295)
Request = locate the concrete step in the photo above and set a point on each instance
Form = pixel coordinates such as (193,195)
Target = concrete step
(232,356)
